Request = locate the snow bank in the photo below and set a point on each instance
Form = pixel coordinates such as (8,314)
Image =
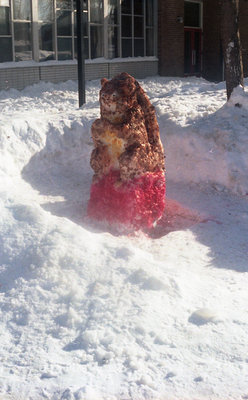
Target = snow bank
(88,314)
(206,138)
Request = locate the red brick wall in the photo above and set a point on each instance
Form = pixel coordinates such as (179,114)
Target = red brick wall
(212,54)
(170,37)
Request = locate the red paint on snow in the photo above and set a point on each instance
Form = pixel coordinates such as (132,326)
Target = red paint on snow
(175,218)
(137,203)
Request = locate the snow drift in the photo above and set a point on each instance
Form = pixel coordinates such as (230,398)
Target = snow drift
(89,314)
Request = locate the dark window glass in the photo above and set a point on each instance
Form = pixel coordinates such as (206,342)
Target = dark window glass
(4,21)
(85,4)
(192,14)
(138,47)
(149,42)
(66,4)
(64,48)
(96,36)
(6,49)
(45,10)
(86,47)
(46,41)
(126,47)
(112,12)
(126,26)
(138,7)
(149,13)
(126,6)
(187,52)
(138,27)
(22,41)
(112,42)
(96,11)
(22,9)
(197,51)
(85,24)
(64,23)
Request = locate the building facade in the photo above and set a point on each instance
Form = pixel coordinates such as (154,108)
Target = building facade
(38,39)
(190,40)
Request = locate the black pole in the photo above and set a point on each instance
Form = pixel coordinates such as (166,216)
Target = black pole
(80,53)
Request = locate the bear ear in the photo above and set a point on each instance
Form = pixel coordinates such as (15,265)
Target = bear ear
(103,81)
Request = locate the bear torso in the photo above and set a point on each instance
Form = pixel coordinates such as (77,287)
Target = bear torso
(126,137)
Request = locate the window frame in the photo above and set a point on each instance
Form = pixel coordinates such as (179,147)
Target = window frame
(105,24)
(10,35)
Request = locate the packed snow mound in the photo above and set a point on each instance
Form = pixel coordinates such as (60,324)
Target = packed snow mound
(208,142)
(89,314)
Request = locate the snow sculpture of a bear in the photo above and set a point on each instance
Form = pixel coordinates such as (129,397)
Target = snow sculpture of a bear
(128,186)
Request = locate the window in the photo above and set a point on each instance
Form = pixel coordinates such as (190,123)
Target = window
(96,28)
(47,29)
(137,28)
(113,28)
(22,30)
(5,32)
(192,14)
(64,29)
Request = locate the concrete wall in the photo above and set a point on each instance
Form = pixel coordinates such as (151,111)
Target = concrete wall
(19,77)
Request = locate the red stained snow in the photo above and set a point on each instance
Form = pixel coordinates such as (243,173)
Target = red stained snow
(175,218)
(138,203)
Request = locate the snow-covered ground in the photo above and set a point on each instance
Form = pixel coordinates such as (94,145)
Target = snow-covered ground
(90,314)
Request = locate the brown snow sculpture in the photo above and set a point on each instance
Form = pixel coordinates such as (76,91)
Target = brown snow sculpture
(128,158)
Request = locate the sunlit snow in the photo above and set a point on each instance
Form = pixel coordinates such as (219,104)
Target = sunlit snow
(88,313)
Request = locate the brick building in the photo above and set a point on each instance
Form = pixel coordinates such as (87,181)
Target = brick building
(189,38)
(143,37)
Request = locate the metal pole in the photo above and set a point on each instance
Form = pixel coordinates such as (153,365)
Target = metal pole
(80,53)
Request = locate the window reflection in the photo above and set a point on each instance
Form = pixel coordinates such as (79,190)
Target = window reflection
(46,41)
(64,23)
(22,32)
(85,4)
(96,11)
(96,36)
(45,10)
(6,49)
(149,13)
(129,28)
(66,4)
(112,11)
(64,49)
(4,20)
(22,9)
(112,42)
